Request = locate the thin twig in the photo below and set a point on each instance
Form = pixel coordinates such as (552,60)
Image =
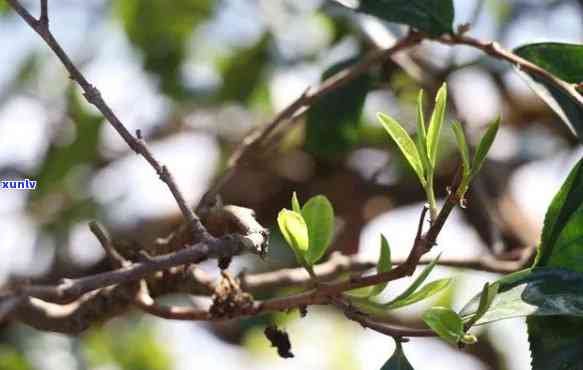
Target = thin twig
(145,302)
(299,105)
(93,96)
(105,240)
(391,330)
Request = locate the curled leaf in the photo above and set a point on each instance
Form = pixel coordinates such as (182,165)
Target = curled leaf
(446,323)
(295,231)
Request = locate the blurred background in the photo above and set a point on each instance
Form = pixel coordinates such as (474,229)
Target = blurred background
(195,76)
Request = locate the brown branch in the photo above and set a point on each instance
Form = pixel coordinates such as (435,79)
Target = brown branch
(495,50)
(93,96)
(299,105)
(116,259)
(366,321)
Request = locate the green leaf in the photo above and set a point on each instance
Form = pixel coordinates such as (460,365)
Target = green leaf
(565,61)
(422,135)
(486,299)
(405,144)
(541,292)
(484,146)
(295,203)
(561,241)
(383,265)
(398,361)
(243,72)
(446,323)
(556,342)
(434,17)
(333,122)
(319,217)
(437,118)
(426,291)
(460,139)
(416,283)
(295,231)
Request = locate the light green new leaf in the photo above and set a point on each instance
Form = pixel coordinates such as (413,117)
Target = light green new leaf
(319,216)
(295,203)
(437,118)
(486,299)
(484,146)
(405,144)
(398,361)
(384,265)
(446,323)
(462,145)
(417,282)
(426,291)
(422,135)
(295,231)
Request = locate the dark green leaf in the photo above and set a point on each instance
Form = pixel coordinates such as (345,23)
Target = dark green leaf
(398,361)
(405,143)
(383,265)
(243,72)
(446,323)
(556,342)
(424,292)
(432,16)
(562,237)
(319,217)
(437,118)
(565,61)
(540,292)
(333,122)
(484,146)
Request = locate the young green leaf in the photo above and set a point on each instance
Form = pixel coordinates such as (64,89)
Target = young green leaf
(421,139)
(484,146)
(384,265)
(405,143)
(426,291)
(295,203)
(462,145)
(398,361)
(446,323)
(486,298)
(435,124)
(294,230)
(416,283)
(319,216)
